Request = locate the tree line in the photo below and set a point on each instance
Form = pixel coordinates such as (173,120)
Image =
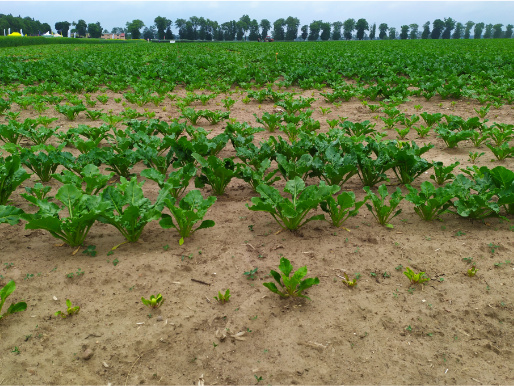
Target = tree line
(246,29)
(199,28)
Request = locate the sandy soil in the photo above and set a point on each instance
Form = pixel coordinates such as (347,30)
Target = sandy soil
(453,330)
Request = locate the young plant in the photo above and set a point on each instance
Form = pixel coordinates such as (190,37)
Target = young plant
(416,278)
(472,271)
(5,291)
(382,212)
(223,298)
(452,138)
(429,202)
(128,210)
(69,310)
(350,283)
(290,286)
(70,112)
(502,151)
(443,173)
(215,172)
(12,175)
(270,121)
(339,208)
(190,210)
(154,301)
(177,181)
(43,160)
(82,211)
(291,214)
(473,156)
(422,131)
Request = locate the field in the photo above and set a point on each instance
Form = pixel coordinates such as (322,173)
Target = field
(340,114)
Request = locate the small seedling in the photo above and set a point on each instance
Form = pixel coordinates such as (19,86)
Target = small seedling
(69,310)
(399,267)
(493,247)
(250,227)
(472,271)
(16,350)
(416,277)
(154,301)
(351,283)
(8,265)
(291,286)
(473,156)
(460,233)
(223,298)
(90,250)
(258,378)
(468,260)
(166,247)
(250,275)
(115,262)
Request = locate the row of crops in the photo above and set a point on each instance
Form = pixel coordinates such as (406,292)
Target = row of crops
(177,154)
(379,69)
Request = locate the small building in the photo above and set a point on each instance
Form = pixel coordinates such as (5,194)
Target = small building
(114,36)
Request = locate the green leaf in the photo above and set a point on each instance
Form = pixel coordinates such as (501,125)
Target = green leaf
(285,266)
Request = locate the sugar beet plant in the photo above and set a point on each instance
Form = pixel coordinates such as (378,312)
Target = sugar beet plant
(190,210)
(340,208)
(290,286)
(12,175)
(292,213)
(128,210)
(382,212)
(82,211)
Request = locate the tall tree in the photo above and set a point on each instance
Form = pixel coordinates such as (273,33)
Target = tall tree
(81,27)
(244,24)
(62,27)
(361,26)
(467,32)
(449,25)
(373,31)
(392,33)
(161,23)
(497,34)
(348,27)
(292,24)
(426,30)
(458,31)
(325,31)
(437,28)
(278,29)
(508,32)
(405,32)
(336,30)
(383,31)
(305,31)
(253,36)
(477,32)
(488,34)
(134,28)
(181,25)
(148,33)
(314,29)
(413,31)
(265,27)
(94,30)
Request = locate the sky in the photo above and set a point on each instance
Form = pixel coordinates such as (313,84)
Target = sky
(395,13)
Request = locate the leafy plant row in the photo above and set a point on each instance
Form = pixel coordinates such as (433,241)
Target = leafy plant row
(380,70)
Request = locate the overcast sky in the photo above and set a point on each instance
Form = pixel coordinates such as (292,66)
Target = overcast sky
(395,13)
